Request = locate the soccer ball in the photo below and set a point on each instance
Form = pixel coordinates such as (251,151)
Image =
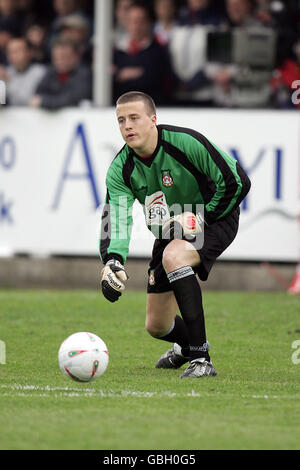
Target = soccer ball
(83,357)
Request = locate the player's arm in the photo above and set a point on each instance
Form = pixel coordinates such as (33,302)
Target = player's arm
(115,235)
(231,182)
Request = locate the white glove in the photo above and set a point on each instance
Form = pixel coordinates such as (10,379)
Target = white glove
(182,225)
(113,276)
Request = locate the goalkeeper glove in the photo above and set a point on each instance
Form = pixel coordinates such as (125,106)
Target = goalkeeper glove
(182,225)
(112,280)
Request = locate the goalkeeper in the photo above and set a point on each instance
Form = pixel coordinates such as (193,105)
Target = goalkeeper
(191,191)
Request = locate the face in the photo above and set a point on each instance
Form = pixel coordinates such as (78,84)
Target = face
(64,7)
(136,125)
(197,4)
(18,54)
(138,23)
(238,10)
(165,9)
(121,11)
(24,4)
(7,6)
(36,35)
(5,36)
(64,58)
(75,34)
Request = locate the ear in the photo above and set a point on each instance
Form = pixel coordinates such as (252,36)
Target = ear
(154,119)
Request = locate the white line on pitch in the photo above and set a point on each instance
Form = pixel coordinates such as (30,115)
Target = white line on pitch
(23,390)
(18,390)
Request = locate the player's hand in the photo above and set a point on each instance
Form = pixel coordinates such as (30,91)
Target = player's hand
(184,224)
(113,276)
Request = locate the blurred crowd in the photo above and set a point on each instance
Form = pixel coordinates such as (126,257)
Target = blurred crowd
(212,53)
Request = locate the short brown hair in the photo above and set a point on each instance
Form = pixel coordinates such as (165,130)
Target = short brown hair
(62,41)
(131,96)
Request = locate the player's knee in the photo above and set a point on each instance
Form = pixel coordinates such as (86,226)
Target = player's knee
(154,329)
(177,254)
(170,258)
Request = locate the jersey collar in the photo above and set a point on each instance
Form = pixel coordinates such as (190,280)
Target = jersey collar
(149,160)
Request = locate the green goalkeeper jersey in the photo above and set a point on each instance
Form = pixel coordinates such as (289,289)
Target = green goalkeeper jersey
(186,172)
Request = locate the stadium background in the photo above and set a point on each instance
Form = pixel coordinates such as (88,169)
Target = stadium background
(53,157)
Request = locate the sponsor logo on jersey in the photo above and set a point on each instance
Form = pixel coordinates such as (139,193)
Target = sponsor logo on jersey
(157,200)
(156,209)
(167,179)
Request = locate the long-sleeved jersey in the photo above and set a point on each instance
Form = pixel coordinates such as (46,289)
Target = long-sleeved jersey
(186,170)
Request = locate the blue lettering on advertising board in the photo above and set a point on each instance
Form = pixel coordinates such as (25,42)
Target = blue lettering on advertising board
(278,169)
(7,153)
(5,209)
(278,174)
(79,136)
(7,162)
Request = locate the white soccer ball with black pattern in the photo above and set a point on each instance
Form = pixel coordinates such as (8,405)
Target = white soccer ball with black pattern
(83,357)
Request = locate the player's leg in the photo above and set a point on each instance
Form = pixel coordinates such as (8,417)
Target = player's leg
(181,266)
(179,259)
(163,323)
(161,310)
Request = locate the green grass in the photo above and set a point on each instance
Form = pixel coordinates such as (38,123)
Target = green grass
(253,403)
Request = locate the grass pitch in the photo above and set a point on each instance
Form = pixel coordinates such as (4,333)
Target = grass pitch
(253,403)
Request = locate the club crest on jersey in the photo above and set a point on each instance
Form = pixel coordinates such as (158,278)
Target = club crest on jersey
(151,277)
(167,179)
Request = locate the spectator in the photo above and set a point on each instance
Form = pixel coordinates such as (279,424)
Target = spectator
(283,16)
(22,76)
(35,11)
(285,20)
(263,11)
(165,12)
(288,14)
(66,83)
(236,85)
(10,16)
(283,82)
(63,9)
(77,28)
(121,18)
(27,14)
(142,64)
(5,36)
(241,13)
(188,51)
(36,36)
(201,12)
(10,26)
(187,48)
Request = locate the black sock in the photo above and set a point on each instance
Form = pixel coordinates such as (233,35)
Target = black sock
(178,334)
(189,298)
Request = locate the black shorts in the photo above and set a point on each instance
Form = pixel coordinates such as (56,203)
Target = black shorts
(217,237)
